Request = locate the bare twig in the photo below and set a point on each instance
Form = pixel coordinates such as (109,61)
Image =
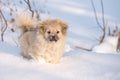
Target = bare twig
(115,31)
(29,6)
(103,20)
(83,48)
(109,31)
(96,14)
(5,27)
(103,27)
(118,43)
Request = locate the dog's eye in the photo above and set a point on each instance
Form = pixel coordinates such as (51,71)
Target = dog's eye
(58,32)
(48,32)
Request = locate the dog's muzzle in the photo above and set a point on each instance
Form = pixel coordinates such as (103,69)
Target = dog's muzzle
(53,38)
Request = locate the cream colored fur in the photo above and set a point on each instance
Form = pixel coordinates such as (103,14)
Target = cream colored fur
(35,41)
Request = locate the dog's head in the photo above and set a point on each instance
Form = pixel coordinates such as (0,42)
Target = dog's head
(53,30)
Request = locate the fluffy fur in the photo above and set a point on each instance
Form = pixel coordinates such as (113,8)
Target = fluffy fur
(42,40)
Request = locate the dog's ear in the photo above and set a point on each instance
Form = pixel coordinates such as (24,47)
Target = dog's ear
(41,27)
(64,26)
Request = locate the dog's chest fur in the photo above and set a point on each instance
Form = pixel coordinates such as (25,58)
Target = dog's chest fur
(46,49)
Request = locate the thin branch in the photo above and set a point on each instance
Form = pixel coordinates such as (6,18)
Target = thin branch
(118,43)
(5,27)
(104,26)
(96,15)
(117,30)
(83,48)
(109,31)
(103,36)
(29,6)
(37,12)
(103,18)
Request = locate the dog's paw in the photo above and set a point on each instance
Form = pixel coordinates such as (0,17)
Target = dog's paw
(54,61)
(42,61)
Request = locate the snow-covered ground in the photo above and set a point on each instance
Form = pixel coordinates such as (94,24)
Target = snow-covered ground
(108,46)
(75,64)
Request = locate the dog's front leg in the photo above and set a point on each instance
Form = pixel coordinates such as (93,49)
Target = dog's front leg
(55,59)
(33,52)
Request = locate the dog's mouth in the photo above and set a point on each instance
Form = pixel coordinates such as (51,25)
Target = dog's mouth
(53,38)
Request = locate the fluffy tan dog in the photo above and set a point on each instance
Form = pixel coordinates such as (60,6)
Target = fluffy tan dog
(42,40)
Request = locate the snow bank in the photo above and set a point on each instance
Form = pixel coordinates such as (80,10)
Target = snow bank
(108,46)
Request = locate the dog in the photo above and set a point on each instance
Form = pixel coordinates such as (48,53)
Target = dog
(42,40)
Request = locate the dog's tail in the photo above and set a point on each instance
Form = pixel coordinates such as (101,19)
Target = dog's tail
(25,22)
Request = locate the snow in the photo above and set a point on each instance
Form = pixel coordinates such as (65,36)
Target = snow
(75,65)
(100,64)
(108,46)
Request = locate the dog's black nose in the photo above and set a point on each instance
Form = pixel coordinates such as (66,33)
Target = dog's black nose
(53,37)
